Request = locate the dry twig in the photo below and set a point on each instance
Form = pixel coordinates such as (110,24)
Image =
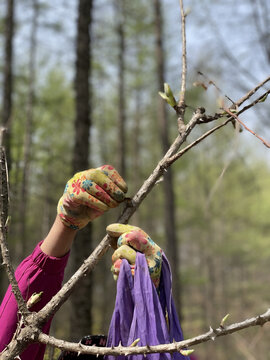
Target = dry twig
(181,103)
(4,200)
(251,92)
(212,334)
(247,128)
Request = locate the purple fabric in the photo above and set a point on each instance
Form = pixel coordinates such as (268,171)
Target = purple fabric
(38,272)
(140,313)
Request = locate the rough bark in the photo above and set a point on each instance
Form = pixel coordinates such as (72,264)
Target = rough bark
(7,92)
(8,76)
(81,301)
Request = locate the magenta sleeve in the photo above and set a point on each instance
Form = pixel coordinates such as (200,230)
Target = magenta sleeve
(38,272)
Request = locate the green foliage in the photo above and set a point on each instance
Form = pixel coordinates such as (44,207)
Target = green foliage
(53,129)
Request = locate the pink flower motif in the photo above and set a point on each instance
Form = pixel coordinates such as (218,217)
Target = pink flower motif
(109,167)
(77,187)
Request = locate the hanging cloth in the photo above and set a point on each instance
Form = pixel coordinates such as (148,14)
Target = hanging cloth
(141,313)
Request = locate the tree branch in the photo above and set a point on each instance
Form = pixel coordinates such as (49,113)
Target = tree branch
(251,92)
(4,200)
(181,103)
(212,334)
(247,128)
(256,101)
(180,153)
(56,302)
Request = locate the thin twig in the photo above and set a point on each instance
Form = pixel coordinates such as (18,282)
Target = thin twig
(180,153)
(211,82)
(267,144)
(251,92)
(4,199)
(259,99)
(184,57)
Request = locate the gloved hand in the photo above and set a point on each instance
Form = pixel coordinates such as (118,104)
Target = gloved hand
(89,194)
(130,240)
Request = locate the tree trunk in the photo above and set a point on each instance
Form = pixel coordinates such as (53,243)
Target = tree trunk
(81,300)
(136,131)
(8,77)
(120,15)
(7,99)
(169,208)
(28,130)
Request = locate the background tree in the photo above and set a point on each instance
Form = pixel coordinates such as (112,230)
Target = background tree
(120,30)
(28,134)
(172,244)
(81,301)
(6,117)
(8,75)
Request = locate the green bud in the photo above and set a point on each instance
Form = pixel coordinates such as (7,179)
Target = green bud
(186,352)
(35,298)
(163,95)
(169,94)
(263,98)
(222,323)
(135,342)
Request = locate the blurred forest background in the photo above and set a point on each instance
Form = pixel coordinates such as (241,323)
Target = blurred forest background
(79,88)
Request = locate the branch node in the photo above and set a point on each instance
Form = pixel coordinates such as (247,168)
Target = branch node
(260,320)
(213,334)
(161,179)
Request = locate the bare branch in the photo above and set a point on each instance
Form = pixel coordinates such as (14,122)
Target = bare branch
(259,99)
(4,200)
(184,56)
(180,153)
(267,144)
(251,92)
(212,334)
(27,335)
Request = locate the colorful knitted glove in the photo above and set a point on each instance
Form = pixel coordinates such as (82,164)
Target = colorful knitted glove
(130,240)
(89,194)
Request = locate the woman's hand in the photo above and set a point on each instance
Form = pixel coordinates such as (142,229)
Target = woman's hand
(88,194)
(129,240)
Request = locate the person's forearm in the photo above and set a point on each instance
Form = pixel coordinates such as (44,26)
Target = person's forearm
(59,240)
(41,272)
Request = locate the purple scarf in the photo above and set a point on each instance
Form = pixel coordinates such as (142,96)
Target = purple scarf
(139,311)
